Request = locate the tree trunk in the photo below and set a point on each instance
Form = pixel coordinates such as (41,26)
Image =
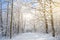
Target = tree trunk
(11,20)
(18,20)
(1,17)
(52,23)
(46,24)
(7,18)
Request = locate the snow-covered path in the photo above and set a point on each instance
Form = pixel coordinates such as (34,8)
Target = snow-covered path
(34,36)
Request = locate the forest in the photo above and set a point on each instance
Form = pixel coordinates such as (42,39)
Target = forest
(29,19)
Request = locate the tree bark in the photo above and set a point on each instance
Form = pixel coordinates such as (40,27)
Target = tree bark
(1,17)
(11,20)
(52,23)
(46,24)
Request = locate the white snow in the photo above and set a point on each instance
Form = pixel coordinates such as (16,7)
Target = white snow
(34,36)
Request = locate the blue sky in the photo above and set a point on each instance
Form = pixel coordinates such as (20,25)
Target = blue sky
(4,4)
(26,0)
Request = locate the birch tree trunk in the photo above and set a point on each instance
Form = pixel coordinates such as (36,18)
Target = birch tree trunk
(46,24)
(18,20)
(52,23)
(7,17)
(11,19)
(1,22)
(43,10)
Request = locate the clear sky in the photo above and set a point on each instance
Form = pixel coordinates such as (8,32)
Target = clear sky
(4,4)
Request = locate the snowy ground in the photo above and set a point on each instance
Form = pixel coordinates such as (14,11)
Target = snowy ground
(34,36)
